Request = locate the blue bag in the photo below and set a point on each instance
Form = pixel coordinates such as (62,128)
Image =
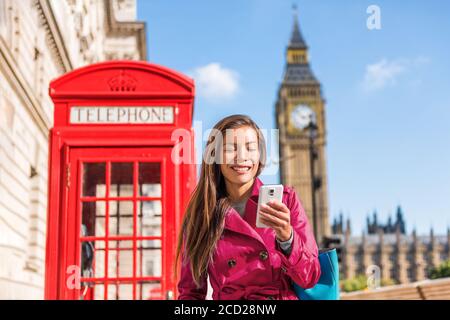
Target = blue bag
(328,286)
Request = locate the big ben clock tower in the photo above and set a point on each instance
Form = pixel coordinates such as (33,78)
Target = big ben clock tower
(300,116)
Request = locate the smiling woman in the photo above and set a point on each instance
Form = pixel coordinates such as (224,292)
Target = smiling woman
(219,236)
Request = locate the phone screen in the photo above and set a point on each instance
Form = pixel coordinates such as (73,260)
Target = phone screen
(266,193)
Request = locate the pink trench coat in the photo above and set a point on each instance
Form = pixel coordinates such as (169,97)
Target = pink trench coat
(248,262)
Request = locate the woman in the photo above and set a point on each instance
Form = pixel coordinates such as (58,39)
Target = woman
(219,236)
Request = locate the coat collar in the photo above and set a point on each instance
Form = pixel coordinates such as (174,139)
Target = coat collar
(255,189)
(247,224)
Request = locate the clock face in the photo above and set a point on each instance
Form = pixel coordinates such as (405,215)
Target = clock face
(302,115)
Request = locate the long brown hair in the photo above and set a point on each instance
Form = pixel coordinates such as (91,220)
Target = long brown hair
(205,213)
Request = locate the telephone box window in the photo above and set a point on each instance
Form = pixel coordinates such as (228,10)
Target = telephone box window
(121,217)
(151,213)
(121,225)
(121,180)
(94,179)
(99,265)
(150,254)
(150,179)
(93,218)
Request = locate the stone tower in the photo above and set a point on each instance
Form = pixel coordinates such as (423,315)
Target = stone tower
(302,149)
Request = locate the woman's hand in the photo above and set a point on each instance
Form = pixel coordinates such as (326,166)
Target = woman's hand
(277,216)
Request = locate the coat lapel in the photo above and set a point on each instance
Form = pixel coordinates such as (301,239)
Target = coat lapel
(247,224)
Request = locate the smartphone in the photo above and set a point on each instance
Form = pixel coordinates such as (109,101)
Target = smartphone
(268,192)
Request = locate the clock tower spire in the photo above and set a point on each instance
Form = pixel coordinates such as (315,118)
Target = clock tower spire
(297,50)
(300,116)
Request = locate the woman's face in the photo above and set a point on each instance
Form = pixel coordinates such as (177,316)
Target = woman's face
(240,155)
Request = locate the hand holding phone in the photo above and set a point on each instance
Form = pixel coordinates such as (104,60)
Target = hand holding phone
(267,193)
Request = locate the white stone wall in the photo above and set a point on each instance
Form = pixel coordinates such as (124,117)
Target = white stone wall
(22,198)
(29,60)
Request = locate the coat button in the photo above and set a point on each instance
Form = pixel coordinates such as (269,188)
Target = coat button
(263,255)
(231,263)
(283,269)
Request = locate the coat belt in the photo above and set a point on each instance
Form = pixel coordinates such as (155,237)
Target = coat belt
(238,292)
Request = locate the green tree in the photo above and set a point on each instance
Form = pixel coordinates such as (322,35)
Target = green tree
(388,282)
(441,271)
(360,283)
(354,284)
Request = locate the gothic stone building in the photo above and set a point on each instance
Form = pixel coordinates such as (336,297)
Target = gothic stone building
(39,41)
(401,258)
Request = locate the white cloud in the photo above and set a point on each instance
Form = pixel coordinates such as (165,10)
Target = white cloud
(385,73)
(215,82)
(381,74)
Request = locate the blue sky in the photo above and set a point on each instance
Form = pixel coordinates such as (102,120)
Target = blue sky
(387,91)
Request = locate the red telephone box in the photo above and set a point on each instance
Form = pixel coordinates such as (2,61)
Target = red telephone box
(116,195)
